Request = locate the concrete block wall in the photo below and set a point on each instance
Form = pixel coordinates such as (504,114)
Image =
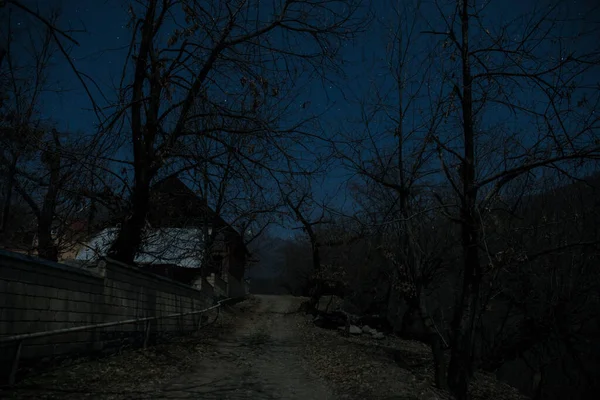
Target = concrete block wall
(37,295)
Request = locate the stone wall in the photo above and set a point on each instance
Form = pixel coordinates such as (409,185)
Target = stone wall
(38,295)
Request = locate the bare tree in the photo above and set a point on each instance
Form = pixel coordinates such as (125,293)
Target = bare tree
(51,189)
(23,76)
(302,207)
(531,69)
(240,59)
(236,189)
(539,307)
(44,169)
(393,155)
(41,15)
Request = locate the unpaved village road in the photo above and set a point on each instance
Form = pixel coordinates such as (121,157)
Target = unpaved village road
(260,359)
(260,348)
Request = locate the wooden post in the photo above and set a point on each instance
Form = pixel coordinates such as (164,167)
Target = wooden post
(15,364)
(199,322)
(347,326)
(147,334)
(192,316)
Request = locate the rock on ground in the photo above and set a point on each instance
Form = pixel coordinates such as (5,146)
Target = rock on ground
(377,335)
(364,367)
(354,330)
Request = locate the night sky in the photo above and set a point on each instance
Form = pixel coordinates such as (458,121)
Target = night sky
(100,54)
(102,47)
(101,51)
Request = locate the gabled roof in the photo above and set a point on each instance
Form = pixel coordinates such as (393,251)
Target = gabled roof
(174,204)
(175,236)
(174,246)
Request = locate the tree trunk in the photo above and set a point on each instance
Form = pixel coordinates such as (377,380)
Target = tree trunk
(129,238)
(2,55)
(439,361)
(418,307)
(460,368)
(143,133)
(317,289)
(8,195)
(46,247)
(467,304)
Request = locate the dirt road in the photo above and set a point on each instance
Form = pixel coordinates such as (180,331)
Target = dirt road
(260,359)
(258,349)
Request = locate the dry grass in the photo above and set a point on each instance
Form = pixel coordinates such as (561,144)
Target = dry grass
(132,374)
(356,367)
(360,367)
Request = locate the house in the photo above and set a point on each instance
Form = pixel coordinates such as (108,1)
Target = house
(19,233)
(18,242)
(175,241)
(164,250)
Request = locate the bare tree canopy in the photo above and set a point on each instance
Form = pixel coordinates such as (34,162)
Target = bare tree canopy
(232,68)
(434,163)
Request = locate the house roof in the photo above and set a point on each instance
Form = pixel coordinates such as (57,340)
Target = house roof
(174,204)
(174,246)
(176,217)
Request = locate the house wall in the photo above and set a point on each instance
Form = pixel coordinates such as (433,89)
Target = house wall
(234,268)
(224,273)
(70,254)
(237,270)
(219,285)
(38,295)
(235,287)
(236,259)
(207,288)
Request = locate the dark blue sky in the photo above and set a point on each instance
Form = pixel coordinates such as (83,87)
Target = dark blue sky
(101,51)
(102,46)
(100,54)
